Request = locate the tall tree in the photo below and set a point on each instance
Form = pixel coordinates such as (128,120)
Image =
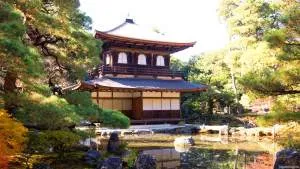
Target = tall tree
(45,47)
(266,36)
(210,69)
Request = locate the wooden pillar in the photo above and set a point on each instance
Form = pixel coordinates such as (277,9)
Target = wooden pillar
(98,97)
(112,59)
(152,59)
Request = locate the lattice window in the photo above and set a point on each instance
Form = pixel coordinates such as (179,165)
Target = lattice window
(160,61)
(142,59)
(122,58)
(107,59)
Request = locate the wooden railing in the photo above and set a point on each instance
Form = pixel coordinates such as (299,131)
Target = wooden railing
(139,71)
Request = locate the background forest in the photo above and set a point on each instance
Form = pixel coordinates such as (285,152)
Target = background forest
(260,61)
(46,50)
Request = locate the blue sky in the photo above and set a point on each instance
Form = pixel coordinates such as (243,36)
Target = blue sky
(194,20)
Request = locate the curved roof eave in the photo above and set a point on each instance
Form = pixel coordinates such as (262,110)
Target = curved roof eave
(100,34)
(144,84)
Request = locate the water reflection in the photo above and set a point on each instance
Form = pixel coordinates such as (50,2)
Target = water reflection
(210,152)
(197,158)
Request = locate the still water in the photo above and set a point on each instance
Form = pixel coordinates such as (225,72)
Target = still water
(210,151)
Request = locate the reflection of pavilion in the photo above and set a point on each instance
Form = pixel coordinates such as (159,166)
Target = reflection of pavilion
(169,158)
(166,158)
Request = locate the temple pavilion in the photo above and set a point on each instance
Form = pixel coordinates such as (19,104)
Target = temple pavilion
(135,77)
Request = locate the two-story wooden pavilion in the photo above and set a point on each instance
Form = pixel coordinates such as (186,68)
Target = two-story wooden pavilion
(135,77)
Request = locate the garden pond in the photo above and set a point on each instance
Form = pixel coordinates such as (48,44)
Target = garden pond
(210,151)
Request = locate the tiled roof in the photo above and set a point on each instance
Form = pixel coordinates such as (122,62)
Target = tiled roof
(129,29)
(145,84)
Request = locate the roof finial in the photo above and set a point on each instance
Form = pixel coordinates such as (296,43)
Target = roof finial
(129,19)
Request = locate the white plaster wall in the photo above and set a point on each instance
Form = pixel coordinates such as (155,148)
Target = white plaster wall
(136,94)
(122,94)
(166,104)
(116,104)
(161,104)
(151,94)
(105,94)
(175,104)
(147,104)
(94,101)
(156,104)
(94,94)
(170,94)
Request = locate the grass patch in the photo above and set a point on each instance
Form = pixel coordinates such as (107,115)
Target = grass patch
(278,118)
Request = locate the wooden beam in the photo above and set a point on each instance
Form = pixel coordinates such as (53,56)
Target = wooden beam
(126,49)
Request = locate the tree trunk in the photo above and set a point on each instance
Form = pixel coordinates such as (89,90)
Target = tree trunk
(10,86)
(234,89)
(210,106)
(10,82)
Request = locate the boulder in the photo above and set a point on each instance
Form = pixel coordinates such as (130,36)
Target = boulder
(111,163)
(182,149)
(287,158)
(145,161)
(113,143)
(184,141)
(123,133)
(91,157)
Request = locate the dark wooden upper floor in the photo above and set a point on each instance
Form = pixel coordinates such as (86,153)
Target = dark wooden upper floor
(132,70)
(131,49)
(134,62)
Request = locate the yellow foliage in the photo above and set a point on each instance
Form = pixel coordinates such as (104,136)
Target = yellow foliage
(12,136)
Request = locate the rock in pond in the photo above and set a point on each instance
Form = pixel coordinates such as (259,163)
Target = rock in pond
(113,143)
(182,149)
(184,141)
(92,156)
(145,161)
(287,158)
(111,163)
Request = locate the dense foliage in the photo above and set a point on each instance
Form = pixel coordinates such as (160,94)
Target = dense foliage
(88,110)
(261,60)
(209,69)
(283,110)
(49,43)
(12,137)
(266,36)
(45,48)
(265,49)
